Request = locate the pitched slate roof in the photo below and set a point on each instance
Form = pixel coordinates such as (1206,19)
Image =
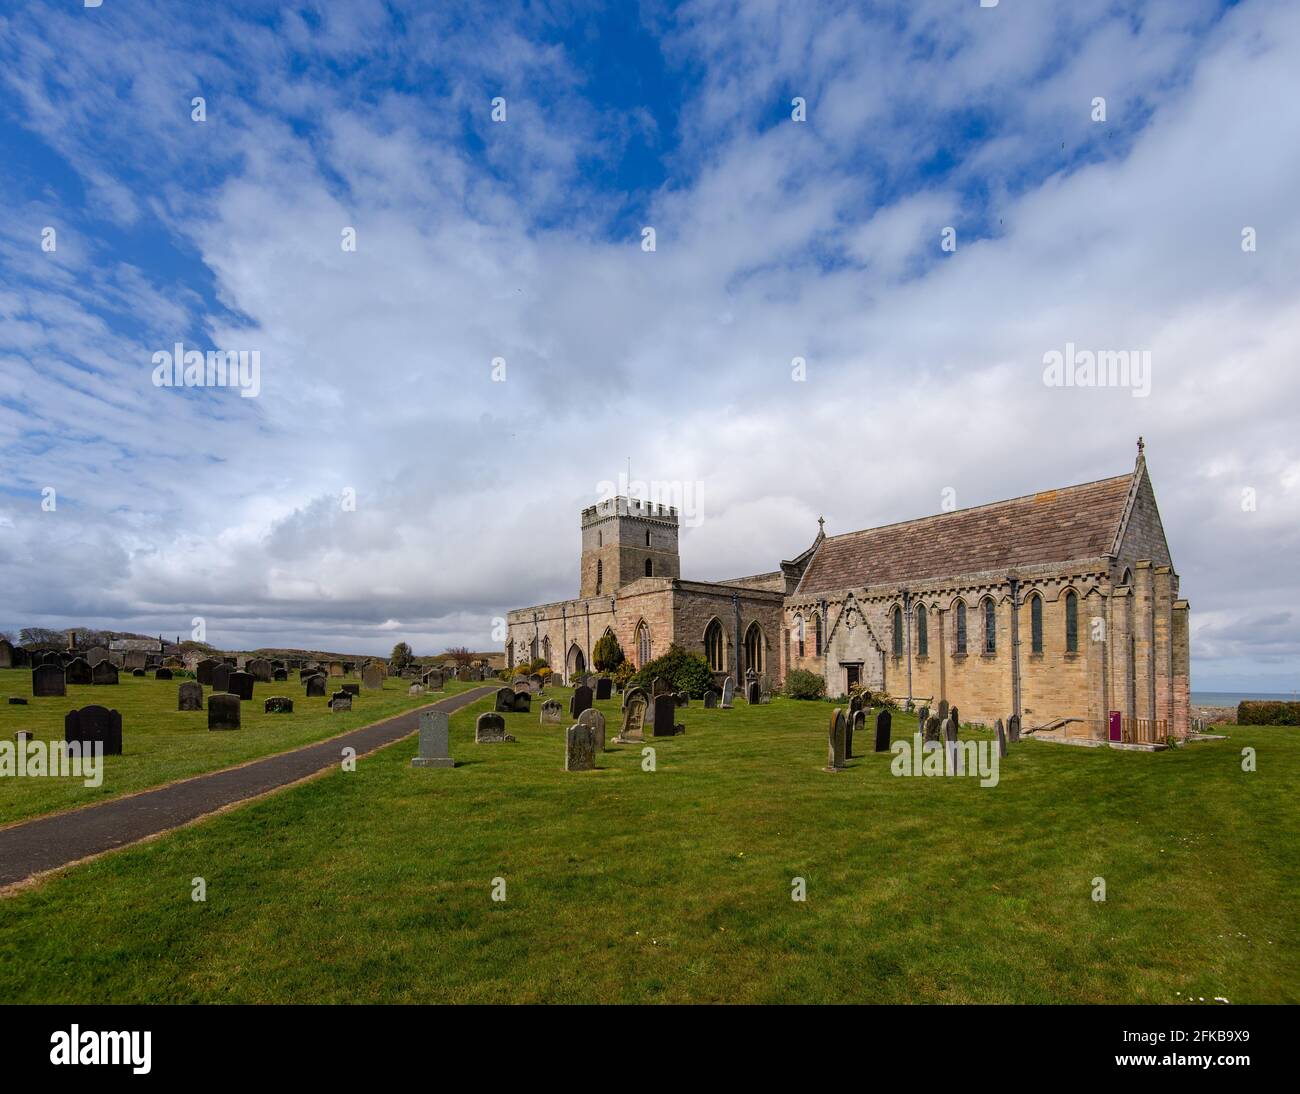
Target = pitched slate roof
(1076,522)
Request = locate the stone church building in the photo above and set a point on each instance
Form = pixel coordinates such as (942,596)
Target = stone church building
(1058,606)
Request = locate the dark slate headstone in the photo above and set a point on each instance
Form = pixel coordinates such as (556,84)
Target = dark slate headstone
(315,686)
(137,672)
(220,677)
(260,669)
(580,701)
(710,700)
(223,711)
(1013,729)
(942,711)
(203,671)
(665,709)
(17,701)
(341,702)
(433,680)
(162,674)
(883,726)
(922,715)
(523,702)
(189,696)
(505,701)
(604,687)
(434,749)
(280,675)
(94,724)
(241,684)
(955,717)
(752,692)
(490,729)
(104,673)
(681,699)
(77,672)
(949,729)
(1001,736)
(48,680)
(278,704)
(856,723)
(855,704)
(352,689)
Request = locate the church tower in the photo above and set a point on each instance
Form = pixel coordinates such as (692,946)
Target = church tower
(624,540)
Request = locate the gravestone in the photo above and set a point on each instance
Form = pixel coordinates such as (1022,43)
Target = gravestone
(203,671)
(932,727)
(536,682)
(728,692)
(77,671)
(855,704)
(315,686)
(260,669)
(580,701)
(223,711)
(665,708)
(415,689)
(241,684)
(189,696)
(753,693)
(341,702)
(1002,737)
(336,668)
(17,701)
(633,727)
(135,659)
(280,676)
(372,677)
(659,686)
(883,727)
(523,701)
(162,674)
(710,700)
(104,673)
(856,724)
(635,693)
(1013,729)
(490,729)
(220,677)
(954,717)
(942,712)
(552,712)
(948,733)
(352,689)
(681,699)
(505,701)
(48,681)
(137,672)
(433,680)
(835,742)
(604,687)
(519,683)
(592,717)
(922,715)
(6,654)
(580,748)
(434,747)
(278,704)
(94,725)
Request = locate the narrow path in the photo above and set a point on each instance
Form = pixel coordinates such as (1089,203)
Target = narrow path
(38,846)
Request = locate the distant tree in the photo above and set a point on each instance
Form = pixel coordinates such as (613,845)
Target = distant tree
(41,636)
(401,657)
(460,654)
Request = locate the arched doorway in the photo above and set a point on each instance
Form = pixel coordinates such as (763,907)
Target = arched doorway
(575,663)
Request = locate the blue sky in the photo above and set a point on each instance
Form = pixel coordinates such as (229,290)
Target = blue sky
(521,240)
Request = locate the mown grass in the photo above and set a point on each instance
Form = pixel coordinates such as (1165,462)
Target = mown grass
(625,885)
(160,743)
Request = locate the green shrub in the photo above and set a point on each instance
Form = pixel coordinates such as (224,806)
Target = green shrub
(802,684)
(623,674)
(608,654)
(684,671)
(1260,712)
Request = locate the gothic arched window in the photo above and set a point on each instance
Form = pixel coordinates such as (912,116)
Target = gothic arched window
(922,633)
(600,573)
(649,567)
(1071,622)
(817,634)
(798,634)
(647,537)
(714,646)
(959,626)
(898,631)
(1035,624)
(990,627)
(643,645)
(754,648)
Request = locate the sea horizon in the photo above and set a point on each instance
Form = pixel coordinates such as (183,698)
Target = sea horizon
(1232,698)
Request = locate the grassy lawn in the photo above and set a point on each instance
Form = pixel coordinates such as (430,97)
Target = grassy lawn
(160,743)
(625,885)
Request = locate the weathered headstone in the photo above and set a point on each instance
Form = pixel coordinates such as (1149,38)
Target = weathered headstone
(433,680)
(883,728)
(6,654)
(505,701)
(536,682)
(922,715)
(335,668)
(855,724)
(665,709)
(260,669)
(942,711)
(221,677)
(189,696)
(580,701)
(48,681)
(604,687)
(954,717)
(94,725)
(933,727)
(241,684)
(681,699)
(17,701)
(835,741)
(592,717)
(315,686)
(415,689)
(137,672)
(523,701)
(728,692)
(77,671)
(372,677)
(490,729)
(203,671)
(552,712)
(1002,738)
(280,676)
(633,728)
(580,748)
(162,674)
(341,702)
(104,673)
(135,659)
(434,748)
(1013,729)
(223,711)
(278,704)
(352,689)
(636,692)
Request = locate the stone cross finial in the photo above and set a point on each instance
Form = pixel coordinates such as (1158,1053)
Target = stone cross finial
(821,526)
(1141,445)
